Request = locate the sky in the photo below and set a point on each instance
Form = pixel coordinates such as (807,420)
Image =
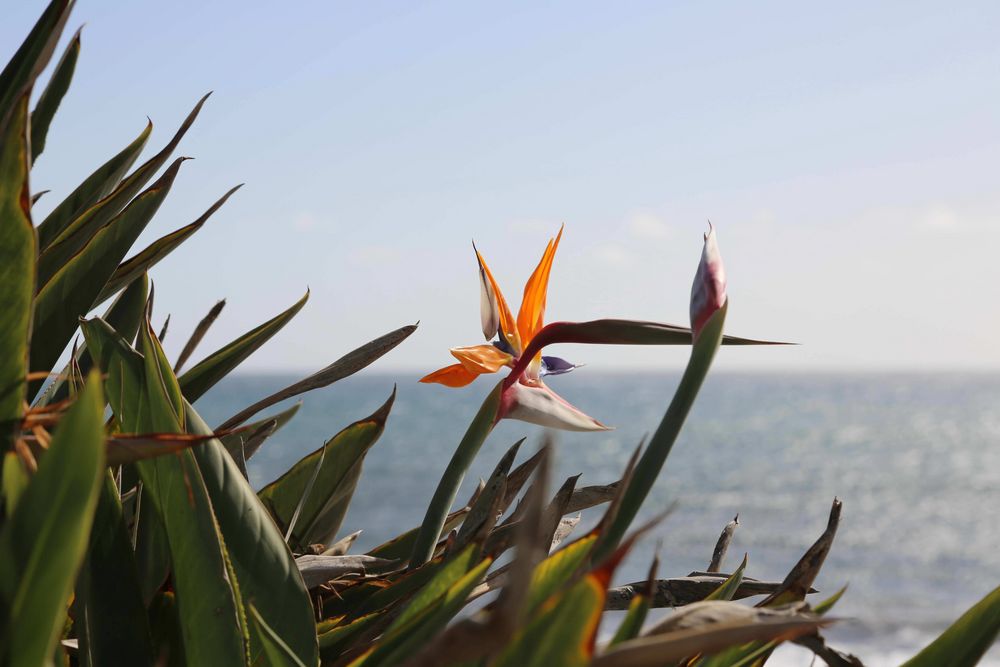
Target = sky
(847,154)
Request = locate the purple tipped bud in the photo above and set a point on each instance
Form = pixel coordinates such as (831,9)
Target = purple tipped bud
(708,293)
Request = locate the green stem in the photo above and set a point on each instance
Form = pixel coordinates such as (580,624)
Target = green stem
(651,463)
(447,489)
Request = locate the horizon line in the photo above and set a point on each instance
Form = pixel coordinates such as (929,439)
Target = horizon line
(594,369)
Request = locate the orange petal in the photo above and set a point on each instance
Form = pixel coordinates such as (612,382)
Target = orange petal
(532,314)
(506,318)
(455,375)
(481,358)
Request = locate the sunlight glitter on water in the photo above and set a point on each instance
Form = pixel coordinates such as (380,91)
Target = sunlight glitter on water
(915,458)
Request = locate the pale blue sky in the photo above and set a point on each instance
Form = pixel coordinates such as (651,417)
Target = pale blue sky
(847,153)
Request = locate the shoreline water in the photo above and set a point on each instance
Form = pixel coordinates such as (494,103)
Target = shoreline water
(914,457)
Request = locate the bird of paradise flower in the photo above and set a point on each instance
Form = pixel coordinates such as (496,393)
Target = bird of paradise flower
(523,395)
(516,344)
(531,400)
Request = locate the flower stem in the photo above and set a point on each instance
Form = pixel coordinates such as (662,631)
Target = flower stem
(451,480)
(653,459)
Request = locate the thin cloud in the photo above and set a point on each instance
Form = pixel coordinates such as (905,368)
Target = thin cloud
(533,226)
(304,222)
(941,218)
(648,226)
(375,254)
(612,254)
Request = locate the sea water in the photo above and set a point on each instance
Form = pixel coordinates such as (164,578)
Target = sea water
(915,458)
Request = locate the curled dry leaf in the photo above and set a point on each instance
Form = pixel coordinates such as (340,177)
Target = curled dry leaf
(705,639)
(343,545)
(129,448)
(680,591)
(710,612)
(485,508)
(799,581)
(563,530)
(591,496)
(317,570)
(722,545)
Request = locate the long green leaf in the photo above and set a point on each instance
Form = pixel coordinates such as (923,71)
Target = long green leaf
(276,651)
(213,622)
(50,98)
(31,58)
(137,211)
(322,512)
(71,292)
(123,366)
(125,388)
(631,625)
(483,512)
(333,642)
(727,590)
(433,620)
(198,334)
(451,480)
(111,622)
(552,574)
(93,189)
(17,267)
(347,365)
(129,270)
(362,600)
(624,332)
(651,463)
(401,546)
(821,608)
(452,571)
(166,630)
(43,543)
(247,442)
(967,639)
(264,566)
(202,377)
(13,482)
(123,315)
(563,632)
(79,232)
(431,608)
(152,549)
(142,398)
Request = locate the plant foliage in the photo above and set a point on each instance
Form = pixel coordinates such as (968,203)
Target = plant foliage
(129,533)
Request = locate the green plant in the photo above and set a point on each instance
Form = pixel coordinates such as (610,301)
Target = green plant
(138,540)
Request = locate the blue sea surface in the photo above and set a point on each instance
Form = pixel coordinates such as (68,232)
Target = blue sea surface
(915,459)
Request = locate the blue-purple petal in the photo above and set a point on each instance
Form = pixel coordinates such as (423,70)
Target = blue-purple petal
(502,345)
(556,366)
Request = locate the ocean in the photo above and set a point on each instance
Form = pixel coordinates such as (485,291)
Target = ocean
(915,458)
